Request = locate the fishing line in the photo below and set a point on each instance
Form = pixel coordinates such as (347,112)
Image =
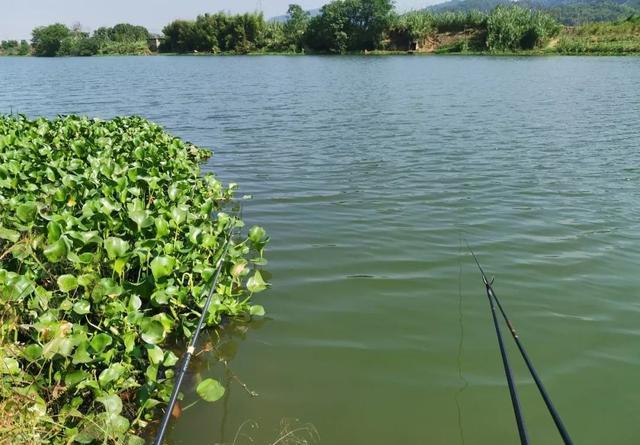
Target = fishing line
(463,380)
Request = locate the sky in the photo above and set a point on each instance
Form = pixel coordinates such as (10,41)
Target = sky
(19,17)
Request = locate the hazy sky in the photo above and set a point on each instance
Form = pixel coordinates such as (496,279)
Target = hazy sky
(19,17)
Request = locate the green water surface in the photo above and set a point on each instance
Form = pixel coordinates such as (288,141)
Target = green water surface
(368,173)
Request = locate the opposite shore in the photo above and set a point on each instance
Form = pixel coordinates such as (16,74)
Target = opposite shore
(369,27)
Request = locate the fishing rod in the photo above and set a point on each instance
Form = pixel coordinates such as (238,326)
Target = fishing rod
(513,392)
(191,348)
(532,370)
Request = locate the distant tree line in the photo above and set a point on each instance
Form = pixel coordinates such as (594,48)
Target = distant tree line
(356,25)
(341,26)
(60,40)
(15,48)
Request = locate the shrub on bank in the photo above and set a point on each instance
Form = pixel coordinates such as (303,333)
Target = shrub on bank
(109,237)
(512,28)
(621,37)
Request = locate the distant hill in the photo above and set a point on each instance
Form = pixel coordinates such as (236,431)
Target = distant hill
(569,12)
(283,18)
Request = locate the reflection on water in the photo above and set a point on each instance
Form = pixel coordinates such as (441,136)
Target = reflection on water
(214,357)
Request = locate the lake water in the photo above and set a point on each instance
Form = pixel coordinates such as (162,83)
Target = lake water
(369,173)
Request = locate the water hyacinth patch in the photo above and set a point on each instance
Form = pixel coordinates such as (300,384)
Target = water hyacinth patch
(109,236)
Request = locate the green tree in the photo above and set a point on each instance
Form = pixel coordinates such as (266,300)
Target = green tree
(350,25)
(24,48)
(241,33)
(46,40)
(295,27)
(125,32)
(179,36)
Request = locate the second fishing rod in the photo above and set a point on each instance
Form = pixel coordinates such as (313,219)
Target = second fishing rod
(182,370)
(493,301)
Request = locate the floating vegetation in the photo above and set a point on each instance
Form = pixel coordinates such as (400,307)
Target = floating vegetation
(107,245)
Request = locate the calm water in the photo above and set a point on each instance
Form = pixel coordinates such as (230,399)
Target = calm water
(368,173)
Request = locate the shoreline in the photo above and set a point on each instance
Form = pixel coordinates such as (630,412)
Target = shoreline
(373,53)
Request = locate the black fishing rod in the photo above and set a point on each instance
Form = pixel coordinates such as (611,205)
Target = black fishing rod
(513,392)
(532,370)
(190,349)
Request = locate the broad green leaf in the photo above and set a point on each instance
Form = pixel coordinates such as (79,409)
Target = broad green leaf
(82,307)
(179,214)
(91,237)
(142,218)
(257,234)
(257,310)
(9,234)
(75,377)
(55,252)
(194,234)
(32,352)
(58,345)
(17,288)
(162,227)
(151,373)
(210,390)
(239,268)
(152,331)
(112,404)
(119,265)
(117,424)
(129,340)
(9,365)
(107,287)
(67,283)
(172,192)
(170,359)
(162,266)
(155,354)
(100,341)
(256,283)
(160,297)
(115,247)
(112,373)
(259,261)
(27,212)
(82,354)
(134,303)
(85,280)
(134,440)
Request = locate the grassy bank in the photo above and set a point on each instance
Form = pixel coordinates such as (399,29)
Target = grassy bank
(615,38)
(109,236)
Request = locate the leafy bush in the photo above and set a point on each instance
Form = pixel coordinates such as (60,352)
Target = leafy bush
(78,45)
(124,48)
(14,48)
(107,248)
(512,27)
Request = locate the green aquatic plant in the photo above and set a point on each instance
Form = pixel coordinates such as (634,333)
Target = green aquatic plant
(109,237)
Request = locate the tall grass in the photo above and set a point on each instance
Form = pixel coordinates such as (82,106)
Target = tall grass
(511,28)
